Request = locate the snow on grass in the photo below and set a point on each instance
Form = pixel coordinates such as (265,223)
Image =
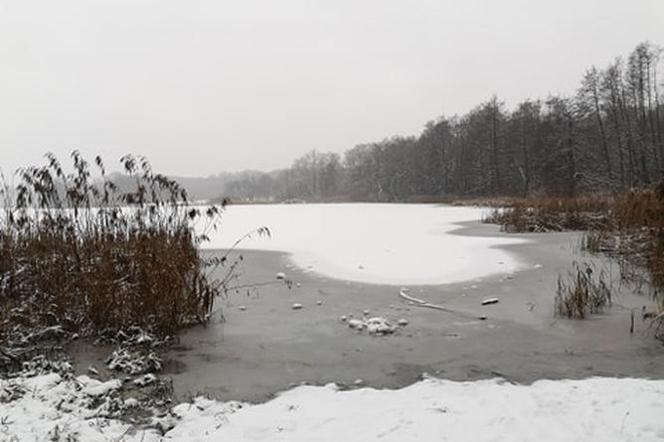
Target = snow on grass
(596,409)
(92,387)
(137,361)
(50,407)
(375,243)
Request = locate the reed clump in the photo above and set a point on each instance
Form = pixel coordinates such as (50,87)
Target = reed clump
(551,214)
(628,226)
(637,235)
(80,256)
(583,292)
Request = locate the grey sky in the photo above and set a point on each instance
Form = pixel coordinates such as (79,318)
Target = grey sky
(204,86)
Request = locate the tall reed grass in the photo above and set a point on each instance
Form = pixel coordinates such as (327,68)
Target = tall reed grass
(583,292)
(628,225)
(550,214)
(79,255)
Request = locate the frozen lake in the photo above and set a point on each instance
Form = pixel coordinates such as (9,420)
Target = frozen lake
(396,244)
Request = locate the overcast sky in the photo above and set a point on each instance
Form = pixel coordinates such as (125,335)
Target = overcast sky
(201,86)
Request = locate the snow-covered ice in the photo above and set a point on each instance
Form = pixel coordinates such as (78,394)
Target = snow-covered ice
(375,243)
(595,409)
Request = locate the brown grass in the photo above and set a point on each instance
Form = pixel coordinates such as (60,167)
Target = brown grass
(585,291)
(547,214)
(635,236)
(629,226)
(80,256)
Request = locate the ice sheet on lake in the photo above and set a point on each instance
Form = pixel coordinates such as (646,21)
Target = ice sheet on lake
(376,243)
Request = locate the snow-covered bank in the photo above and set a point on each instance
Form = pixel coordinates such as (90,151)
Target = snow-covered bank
(596,409)
(375,243)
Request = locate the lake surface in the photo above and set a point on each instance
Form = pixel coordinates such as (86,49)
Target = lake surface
(399,244)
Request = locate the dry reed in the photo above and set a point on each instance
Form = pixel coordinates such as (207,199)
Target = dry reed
(78,255)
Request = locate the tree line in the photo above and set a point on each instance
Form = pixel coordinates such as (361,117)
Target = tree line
(608,136)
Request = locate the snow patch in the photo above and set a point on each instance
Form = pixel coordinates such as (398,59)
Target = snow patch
(602,409)
(146,379)
(376,325)
(332,238)
(93,387)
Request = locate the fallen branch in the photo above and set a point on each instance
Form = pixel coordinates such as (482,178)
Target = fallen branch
(422,303)
(410,298)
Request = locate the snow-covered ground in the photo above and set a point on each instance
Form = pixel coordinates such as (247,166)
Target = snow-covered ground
(376,243)
(596,409)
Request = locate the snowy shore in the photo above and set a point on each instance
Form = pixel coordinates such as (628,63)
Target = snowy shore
(48,407)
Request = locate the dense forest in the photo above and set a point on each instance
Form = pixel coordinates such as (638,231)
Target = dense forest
(607,136)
